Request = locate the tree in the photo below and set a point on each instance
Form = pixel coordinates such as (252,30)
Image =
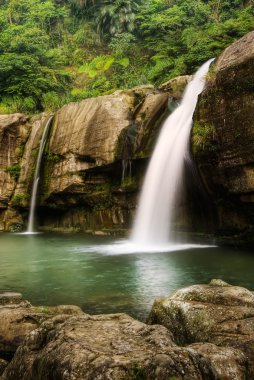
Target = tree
(27,70)
(118,17)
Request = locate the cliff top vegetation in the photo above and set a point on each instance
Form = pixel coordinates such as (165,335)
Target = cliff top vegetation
(56,51)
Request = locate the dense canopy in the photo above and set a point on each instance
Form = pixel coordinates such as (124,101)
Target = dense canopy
(56,51)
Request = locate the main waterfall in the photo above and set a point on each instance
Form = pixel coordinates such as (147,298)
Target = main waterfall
(31,228)
(162,184)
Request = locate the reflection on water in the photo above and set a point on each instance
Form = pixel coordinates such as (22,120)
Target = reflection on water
(93,272)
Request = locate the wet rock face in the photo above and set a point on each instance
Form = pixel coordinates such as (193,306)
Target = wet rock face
(91,128)
(217,313)
(83,169)
(29,158)
(223,140)
(14,131)
(82,166)
(82,185)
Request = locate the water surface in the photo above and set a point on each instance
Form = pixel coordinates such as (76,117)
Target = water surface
(103,276)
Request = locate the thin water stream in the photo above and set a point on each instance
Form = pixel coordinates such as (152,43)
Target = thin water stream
(104,276)
(31,222)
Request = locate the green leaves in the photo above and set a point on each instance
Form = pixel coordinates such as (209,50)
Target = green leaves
(188,32)
(29,66)
(101,64)
(56,51)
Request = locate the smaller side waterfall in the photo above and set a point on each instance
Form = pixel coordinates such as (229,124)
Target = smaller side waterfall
(163,180)
(126,170)
(31,228)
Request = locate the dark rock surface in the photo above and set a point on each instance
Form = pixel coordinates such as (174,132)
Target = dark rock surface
(14,132)
(223,141)
(3,365)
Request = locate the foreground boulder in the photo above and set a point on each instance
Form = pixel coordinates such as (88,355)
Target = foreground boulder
(217,313)
(207,334)
(18,317)
(104,347)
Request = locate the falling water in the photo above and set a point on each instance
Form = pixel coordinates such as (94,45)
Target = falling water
(162,185)
(30,228)
(126,169)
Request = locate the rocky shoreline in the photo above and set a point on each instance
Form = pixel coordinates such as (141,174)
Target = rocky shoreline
(200,332)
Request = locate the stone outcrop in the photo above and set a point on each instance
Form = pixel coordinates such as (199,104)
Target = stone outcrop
(83,172)
(18,317)
(207,335)
(83,185)
(217,313)
(94,160)
(223,138)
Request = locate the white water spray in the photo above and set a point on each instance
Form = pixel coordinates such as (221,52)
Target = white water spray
(30,229)
(162,185)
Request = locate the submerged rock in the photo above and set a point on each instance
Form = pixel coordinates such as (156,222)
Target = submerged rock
(217,313)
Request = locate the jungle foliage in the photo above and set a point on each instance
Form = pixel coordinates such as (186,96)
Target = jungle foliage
(56,51)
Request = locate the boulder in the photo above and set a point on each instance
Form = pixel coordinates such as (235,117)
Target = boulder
(104,347)
(227,363)
(176,86)
(64,343)
(217,313)
(18,317)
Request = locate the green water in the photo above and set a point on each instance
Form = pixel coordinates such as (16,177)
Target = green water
(50,269)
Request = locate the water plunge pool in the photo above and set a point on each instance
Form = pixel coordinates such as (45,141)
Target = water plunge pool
(102,276)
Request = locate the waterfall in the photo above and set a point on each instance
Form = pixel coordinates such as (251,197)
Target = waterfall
(31,228)
(126,170)
(162,184)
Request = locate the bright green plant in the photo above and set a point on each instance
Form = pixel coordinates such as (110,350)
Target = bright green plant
(14,171)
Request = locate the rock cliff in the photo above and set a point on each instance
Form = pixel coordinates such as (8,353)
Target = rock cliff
(93,162)
(223,137)
(98,149)
(14,132)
